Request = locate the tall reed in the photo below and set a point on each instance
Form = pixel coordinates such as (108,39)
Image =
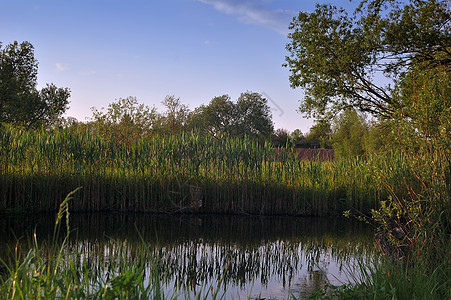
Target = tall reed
(187,172)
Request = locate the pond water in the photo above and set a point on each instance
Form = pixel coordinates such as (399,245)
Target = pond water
(267,257)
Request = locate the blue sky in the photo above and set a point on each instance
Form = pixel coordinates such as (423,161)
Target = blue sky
(194,49)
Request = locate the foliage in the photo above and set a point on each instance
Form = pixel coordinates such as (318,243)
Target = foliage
(296,136)
(380,138)
(320,132)
(253,115)
(174,119)
(350,130)
(20,101)
(335,58)
(125,120)
(282,138)
(183,173)
(249,116)
(426,113)
(216,118)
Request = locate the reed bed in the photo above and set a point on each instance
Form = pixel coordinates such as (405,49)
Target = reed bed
(182,173)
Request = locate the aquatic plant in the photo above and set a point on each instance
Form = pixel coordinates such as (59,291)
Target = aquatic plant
(183,173)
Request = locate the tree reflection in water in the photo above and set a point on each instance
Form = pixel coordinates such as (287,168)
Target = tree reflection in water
(271,256)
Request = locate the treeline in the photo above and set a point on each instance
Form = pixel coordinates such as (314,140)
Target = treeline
(23,105)
(351,134)
(126,119)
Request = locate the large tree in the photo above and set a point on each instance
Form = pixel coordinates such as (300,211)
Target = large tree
(350,133)
(216,118)
(21,103)
(391,59)
(344,61)
(220,115)
(174,119)
(125,120)
(254,116)
(250,115)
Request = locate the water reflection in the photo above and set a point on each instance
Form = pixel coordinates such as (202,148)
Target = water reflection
(251,256)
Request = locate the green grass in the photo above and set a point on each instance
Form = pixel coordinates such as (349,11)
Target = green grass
(184,173)
(423,213)
(384,279)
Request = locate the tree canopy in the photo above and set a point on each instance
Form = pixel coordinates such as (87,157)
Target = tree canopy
(127,119)
(174,119)
(350,133)
(250,115)
(341,61)
(21,103)
(253,115)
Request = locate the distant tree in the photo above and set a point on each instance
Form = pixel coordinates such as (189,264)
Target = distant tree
(320,132)
(125,120)
(250,116)
(196,121)
(20,101)
(221,115)
(253,116)
(175,117)
(350,131)
(281,138)
(380,137)
(296,136)
(335,58)
(216,118)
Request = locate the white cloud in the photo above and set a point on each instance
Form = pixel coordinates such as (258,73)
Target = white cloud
(61,67)
(90,72)
(254,12)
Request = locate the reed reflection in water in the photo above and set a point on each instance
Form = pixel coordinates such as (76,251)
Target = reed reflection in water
(251,256)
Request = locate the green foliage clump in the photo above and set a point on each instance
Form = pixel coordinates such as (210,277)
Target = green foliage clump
(336,58)
(185,172)
(250,115)
(348,137)
(125,121)
(21,103)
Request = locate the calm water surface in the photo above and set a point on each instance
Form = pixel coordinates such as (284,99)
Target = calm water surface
(267,257)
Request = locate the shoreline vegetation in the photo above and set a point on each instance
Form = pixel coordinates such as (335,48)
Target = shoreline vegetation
(185,173)
(393,171)
(402,191)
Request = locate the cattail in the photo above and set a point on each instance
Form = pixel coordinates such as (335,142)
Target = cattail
(157,173)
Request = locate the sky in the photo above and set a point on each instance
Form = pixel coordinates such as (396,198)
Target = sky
(103,50)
